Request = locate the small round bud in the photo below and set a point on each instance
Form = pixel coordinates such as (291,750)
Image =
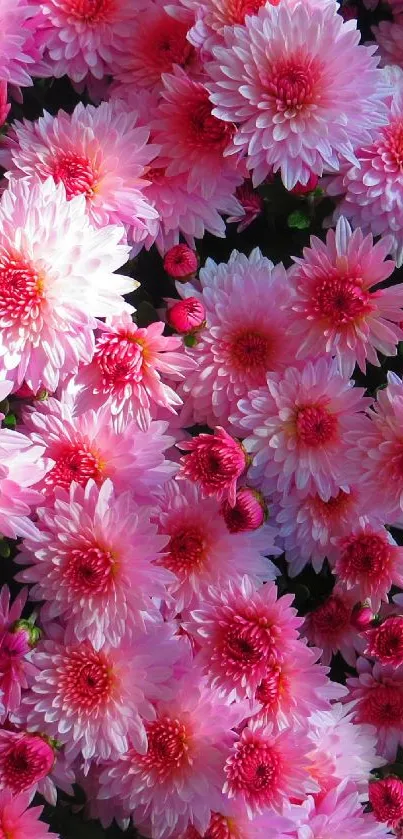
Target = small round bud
(305,189)
(249,512)
(362,617)
(180,262)
(186,316)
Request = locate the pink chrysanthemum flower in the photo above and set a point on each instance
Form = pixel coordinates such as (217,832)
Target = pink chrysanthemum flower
(330,627)
(376,450)
(377,694)
(25,759)
(294,687)
(232,822)
(339,813)
(252,204)
(386,799)
(18,53)
(369,562)
(192,139)
(342,749)
(370,191)
(340,308)
(17,639)
(77,448)
(86,37)
(19,821)
(389,38)
(295,113)
(93,701)
(298,424)
(100,153)
(55,278)
(128,371)
(21,467)
(244,337)
(308,525)
(215,462)
(158,44)
(266,768)
(385,642)
(201,552)
(180,777)
(247,514)
(242,632)
(82,563)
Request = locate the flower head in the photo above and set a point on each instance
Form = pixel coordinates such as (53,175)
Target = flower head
(186,316)
(54,280)
(86,37)
(201,552)
(92,563)
(369,562)
(18,54)
(25,759)
(298,424)
(248,512)
(265,768)
(378,701)
(180,777)
(296,113)
(340,308)
(126,371)
(19,821)
(100,153)
(252,204)
(385,642)
(21,467)
(329,626)
(386,799)
(215,462)
(242,632)
(16,652)
(247,302)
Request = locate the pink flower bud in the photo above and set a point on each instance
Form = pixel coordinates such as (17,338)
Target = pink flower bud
(4,105)
(25,759)
(248,513)
(186,316)
(385,642)
(362,617)
(180,262)
(305,189)
(215,462)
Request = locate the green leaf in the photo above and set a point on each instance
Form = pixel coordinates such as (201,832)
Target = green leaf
(10,421)
(299,220)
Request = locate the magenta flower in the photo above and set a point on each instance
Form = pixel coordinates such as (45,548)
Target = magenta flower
(377,694)
(17,639)
(126,369)
(386,799)
(385,642)
(215,462)
(180,262)
(330,626)
(369,562)
(25,759)
(19,821)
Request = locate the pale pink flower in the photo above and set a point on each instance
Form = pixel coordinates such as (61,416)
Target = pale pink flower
(340,308)
(376,450)
(308,525)
(21,467)
(92,562)
(83,38)
(19,821)
(252,204)
(247,302)
(377,694)
(294,687)
(94,702)
(25,759)
(267,767)
(242,632)
(79,447)
(339,813)
(180,777)
(17,639)
(128,371)
(18,53)
(329,626)
(214,462)
(369,191)
(192,140)
(369,562)
(342,749)
(385,641)
(386,799)
(100,153)
(201,552)
(296,113)
(55,278)
(298,424)
(158,44)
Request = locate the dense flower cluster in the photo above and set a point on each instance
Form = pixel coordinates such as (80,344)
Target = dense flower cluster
(201,505)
